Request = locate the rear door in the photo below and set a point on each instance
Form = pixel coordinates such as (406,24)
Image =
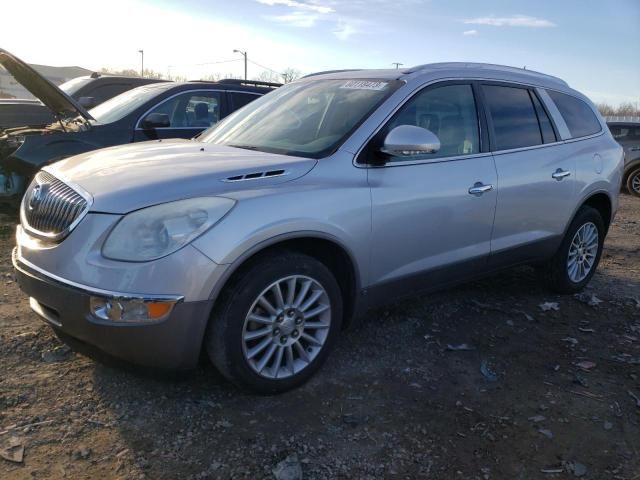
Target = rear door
(189,112)
(536,175)
(428,225)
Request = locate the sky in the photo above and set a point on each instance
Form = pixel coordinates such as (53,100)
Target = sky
(592,44)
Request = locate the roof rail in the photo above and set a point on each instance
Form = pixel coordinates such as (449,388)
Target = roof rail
(249,83)
(506,68)
(326,72)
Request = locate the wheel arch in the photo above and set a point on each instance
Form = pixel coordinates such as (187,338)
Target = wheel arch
(323,247)
(600,201)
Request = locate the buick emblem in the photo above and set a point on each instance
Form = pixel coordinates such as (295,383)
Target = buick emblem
(38,194)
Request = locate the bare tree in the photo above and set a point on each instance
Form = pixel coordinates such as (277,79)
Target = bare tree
(290,74)
(268,76)
(129,72)
(624,109)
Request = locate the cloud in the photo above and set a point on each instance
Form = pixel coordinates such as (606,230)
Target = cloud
(314,7)
(344,30)
(470,32)
(296,19)
(512,21)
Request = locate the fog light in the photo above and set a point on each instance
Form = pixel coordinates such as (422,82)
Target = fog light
(129,310)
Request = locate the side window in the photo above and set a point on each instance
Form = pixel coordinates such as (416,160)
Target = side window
(546,128)
(449,112)
(578,116)
(618,132)
(103,93)
(239,100)
(515,123)
(191,109)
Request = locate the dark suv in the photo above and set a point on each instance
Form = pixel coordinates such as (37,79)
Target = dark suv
(150,112)
(626,131)
(89,91)
(92,90)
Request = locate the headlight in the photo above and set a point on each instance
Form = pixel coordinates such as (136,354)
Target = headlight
(158,231)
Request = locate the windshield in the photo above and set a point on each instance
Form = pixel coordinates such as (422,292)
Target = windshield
(121,105)
(308,119)
(73,85)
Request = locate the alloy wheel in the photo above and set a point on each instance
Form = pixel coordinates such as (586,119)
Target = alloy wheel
(286,327)
(582,252)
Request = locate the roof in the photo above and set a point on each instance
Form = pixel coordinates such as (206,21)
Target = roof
(450,69)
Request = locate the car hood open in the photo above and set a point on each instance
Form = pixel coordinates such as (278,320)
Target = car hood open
(60,104)
(129,177)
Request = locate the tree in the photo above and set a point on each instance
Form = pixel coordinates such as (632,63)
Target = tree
(268,76)
(290,74)
(624,109)
(129,72)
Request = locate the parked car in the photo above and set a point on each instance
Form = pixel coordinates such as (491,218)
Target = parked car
(626,131)
(262,238)
(89,91)
(154,111)
(92,90)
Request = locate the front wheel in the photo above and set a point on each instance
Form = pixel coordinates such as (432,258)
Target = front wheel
(275,323)
(575,262)
(633,182)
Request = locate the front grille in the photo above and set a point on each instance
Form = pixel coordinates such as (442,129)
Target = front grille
(51,208)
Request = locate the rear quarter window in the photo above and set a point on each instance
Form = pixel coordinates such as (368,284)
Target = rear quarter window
(578,116)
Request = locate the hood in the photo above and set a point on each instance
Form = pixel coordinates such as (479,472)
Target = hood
(134,176)
(60,104)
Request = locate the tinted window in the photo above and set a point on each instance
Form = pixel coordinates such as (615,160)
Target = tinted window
(515,123)
(449,112)
(548,135)
(104,92)
(624,132)
(191,110)
(239,100)
(578,116)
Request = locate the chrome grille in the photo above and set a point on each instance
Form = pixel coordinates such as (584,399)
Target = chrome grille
(51,208)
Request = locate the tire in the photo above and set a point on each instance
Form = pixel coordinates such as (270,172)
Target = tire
(557,272)
(633,182)
(227,342)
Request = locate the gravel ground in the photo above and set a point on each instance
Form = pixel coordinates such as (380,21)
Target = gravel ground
(479,382)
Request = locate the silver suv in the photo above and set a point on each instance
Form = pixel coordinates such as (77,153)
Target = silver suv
(261,239)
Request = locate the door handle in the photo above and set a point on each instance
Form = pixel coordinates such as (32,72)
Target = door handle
(479,188)
(559,174)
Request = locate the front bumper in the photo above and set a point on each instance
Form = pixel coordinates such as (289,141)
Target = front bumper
(172,343)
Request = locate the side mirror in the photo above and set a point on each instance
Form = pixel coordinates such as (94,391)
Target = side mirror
(407,141)
(88,102)
(156,120)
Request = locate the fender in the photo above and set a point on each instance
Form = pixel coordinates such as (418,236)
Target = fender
(294,235)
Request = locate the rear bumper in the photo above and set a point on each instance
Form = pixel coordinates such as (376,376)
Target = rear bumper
(172,343)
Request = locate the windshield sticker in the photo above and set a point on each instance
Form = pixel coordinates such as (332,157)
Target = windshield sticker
(364,85)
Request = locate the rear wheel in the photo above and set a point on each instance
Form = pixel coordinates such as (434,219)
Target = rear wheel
(575,262)
(275,323)
(633,182)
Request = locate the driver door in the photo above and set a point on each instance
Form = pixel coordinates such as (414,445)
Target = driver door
(189,114)
(429,225)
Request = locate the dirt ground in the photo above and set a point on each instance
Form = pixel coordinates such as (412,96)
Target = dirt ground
(533,394)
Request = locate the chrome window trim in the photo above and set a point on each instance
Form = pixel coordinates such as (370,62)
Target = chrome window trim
(209,90)
(57,236)
(464,157)
(20,263)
